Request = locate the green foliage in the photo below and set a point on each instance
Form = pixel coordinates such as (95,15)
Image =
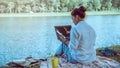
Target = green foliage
(107,4)
(18,6)
(97,4)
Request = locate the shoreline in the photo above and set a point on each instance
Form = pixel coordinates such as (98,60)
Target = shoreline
(55,14)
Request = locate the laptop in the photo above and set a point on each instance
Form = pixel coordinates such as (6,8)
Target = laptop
(63,33)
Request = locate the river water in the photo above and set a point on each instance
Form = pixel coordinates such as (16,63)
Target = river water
(21,37)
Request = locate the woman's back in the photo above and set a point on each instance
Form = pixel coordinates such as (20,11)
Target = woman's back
(85,42)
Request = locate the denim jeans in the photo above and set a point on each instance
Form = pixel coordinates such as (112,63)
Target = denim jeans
(63,49)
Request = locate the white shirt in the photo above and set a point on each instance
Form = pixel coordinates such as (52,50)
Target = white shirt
(82,42)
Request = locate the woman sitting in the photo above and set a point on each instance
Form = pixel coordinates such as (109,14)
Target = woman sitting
(80,48)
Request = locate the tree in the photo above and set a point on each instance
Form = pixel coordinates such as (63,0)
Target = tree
(74,4)
(11,6)
(50,5)
(64,4)
(2,8)
(56,5)
(27,8)
(109,5)
(20,8)
(89,6)
(43,7)
(35,9)
(116,3)
(97,4)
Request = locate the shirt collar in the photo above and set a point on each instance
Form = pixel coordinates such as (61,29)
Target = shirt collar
(81,22)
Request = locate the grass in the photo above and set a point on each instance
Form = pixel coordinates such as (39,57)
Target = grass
(115,48)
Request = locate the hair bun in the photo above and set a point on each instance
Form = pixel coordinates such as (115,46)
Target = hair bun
(79,11)
(82,8)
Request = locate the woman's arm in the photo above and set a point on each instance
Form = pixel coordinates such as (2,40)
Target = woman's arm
(73,44)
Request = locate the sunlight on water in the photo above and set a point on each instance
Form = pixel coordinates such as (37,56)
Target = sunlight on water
(35,36)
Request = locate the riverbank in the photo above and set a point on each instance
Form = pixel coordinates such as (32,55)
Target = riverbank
(115,57)
(55,14)
(115,48)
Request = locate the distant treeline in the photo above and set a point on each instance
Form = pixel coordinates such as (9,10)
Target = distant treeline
(35,6)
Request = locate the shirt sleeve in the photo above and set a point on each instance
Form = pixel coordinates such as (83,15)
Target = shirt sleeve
(73,44)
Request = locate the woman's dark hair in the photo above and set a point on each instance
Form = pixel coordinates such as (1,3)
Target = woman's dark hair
(79,11)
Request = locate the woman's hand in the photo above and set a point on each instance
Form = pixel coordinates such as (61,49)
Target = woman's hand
(64,39)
